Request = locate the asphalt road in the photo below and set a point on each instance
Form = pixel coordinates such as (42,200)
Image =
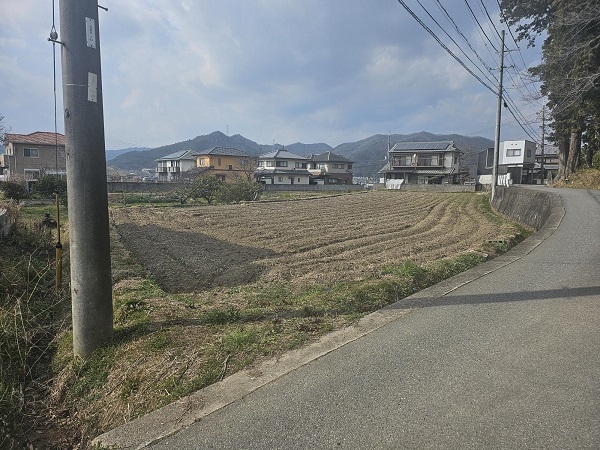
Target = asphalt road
(508,360)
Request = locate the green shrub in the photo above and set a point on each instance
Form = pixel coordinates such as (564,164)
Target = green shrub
(49,185)
(239,191)
(13,190)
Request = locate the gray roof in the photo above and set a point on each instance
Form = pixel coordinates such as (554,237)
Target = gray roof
(416,147)
(282,154)
(222,151)
(329,156)
(183,154)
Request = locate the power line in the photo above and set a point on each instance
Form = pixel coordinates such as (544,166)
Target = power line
(444,45)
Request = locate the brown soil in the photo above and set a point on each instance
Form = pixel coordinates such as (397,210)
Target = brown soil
(318,240)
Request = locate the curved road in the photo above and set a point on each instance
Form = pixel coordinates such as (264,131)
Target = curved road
(508,360)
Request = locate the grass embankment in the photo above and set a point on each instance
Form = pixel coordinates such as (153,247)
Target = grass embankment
(582,179)
(32,312)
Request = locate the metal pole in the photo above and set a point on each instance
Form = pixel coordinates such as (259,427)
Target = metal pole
(498,119)
(89,241)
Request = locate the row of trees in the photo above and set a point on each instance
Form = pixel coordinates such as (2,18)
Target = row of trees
(569,71)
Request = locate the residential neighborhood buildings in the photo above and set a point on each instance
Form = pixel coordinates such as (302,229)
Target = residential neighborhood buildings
(33,156)
(421,163)
(516,162)
(172,167)
(282,167)
(226,163)
(329,168)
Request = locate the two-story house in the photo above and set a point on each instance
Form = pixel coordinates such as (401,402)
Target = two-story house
(226,163)
(329,168)
(516,162)
(422,163)
(172,167)
(282,167)
(33,155)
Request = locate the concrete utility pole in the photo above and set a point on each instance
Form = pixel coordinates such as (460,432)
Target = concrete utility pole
(498,119)
(543,143)
(89,242)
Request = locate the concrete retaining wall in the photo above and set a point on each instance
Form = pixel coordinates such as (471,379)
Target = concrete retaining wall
(313,187)
(529,207)
(134,186)
(434,187)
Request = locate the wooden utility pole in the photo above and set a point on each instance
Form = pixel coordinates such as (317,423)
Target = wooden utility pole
(89,242)
(498,119)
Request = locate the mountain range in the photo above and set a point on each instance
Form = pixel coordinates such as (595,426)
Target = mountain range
(369,155)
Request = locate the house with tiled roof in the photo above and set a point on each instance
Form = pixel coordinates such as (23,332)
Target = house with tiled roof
(33,155)
(329,168)
(226,163)
(172,167)
(282,167)
(422,163)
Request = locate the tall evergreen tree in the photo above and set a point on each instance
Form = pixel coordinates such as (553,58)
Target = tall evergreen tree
(570,69)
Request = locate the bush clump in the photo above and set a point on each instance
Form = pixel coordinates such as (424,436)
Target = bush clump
(13,190)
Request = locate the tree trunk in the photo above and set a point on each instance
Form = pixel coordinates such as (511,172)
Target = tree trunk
(574,150)
(589,155)
(563,155)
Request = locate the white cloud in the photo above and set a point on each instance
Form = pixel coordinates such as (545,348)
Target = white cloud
(308,71)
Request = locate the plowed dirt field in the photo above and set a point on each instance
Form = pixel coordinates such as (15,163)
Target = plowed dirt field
(320,240)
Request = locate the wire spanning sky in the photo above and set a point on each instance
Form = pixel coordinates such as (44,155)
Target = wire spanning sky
(278,70)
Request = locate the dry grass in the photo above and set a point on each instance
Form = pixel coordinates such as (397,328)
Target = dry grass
(582,179)
(202,292)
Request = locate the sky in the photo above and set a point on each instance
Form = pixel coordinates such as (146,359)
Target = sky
(276,71)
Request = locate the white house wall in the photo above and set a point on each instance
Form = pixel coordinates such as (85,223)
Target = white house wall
(527,155)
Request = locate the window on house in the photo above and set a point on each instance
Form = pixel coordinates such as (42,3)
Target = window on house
(32,174)
(349,166)
(280,179)
(403,160)
(337,166)
(300,165)
(201,161)
(230,167)
(281,164)
(513,152)
(321,166)
(428,160)
(529,153)
(218,161)
(31,153)
(270,163)
(489,160)
(298,180)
